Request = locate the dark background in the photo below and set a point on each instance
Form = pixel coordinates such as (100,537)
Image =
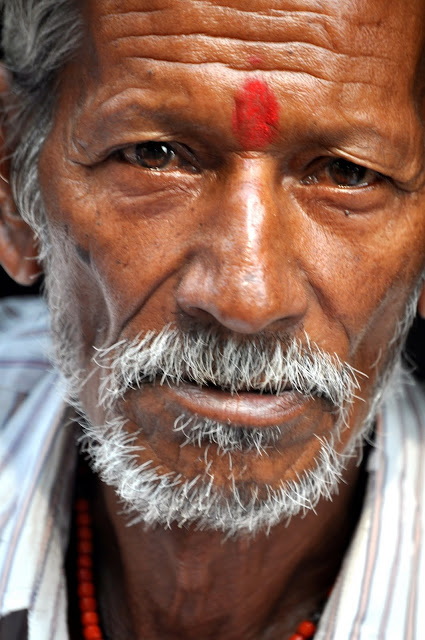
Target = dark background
(415,351)
(8,287)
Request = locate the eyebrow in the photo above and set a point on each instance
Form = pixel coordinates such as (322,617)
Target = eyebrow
(397,151)
(132,107)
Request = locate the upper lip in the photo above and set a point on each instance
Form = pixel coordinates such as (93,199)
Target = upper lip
(256,387)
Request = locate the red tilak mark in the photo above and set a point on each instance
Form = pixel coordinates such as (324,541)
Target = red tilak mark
(256,115)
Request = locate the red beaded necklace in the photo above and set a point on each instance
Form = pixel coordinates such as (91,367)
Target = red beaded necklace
(86,591)
(90,624)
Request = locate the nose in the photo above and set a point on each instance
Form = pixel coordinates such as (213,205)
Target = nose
(244,274)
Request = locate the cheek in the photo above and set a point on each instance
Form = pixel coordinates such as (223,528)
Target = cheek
(363,280)
(120,250)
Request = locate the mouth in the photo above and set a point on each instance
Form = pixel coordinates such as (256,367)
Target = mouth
(254,389)
(257,386)
(251,408)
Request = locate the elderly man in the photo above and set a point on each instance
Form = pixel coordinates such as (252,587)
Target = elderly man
(227,201)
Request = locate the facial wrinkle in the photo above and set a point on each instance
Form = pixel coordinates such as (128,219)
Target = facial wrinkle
(331,30)
(196,17)
(292,56)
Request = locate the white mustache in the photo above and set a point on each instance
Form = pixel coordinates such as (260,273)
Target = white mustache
(264,363)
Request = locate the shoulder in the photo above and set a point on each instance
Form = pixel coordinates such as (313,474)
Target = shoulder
(27,377)
(20,315)
(24,343)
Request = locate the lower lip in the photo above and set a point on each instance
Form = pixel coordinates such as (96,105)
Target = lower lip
(244,409)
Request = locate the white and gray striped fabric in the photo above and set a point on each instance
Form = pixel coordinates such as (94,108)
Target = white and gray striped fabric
(37,462)
(379,594)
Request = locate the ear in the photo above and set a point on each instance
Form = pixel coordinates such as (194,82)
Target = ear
(421,302)
(18,247)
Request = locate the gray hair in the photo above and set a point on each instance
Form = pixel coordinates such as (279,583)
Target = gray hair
(38,37)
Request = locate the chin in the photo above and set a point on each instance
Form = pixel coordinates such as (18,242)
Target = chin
(225,478)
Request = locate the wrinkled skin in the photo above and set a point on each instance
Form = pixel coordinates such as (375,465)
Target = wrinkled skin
(250,235)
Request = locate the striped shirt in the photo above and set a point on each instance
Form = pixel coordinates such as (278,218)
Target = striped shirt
(379,593)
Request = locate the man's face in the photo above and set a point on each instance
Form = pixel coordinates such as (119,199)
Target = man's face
(252,173)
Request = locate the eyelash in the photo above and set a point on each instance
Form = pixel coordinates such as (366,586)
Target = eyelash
(328,164)
(187,161)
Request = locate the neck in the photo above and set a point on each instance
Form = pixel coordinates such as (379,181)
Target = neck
(181,584)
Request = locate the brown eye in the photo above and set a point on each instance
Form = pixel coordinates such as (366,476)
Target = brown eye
(341,173)
(348,174)
(154,155)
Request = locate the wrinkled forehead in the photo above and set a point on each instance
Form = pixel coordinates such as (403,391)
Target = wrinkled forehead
(262,33)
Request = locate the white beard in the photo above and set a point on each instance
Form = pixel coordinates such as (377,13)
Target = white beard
(152,497)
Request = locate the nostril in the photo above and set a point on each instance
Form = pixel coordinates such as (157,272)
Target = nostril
(201,315)
(239,310)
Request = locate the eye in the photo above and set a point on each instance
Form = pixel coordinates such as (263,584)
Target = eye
(160,156)
(342,173)
(150,155)
(347,174)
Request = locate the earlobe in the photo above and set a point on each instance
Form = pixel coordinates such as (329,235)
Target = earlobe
(421,302)
(18,248)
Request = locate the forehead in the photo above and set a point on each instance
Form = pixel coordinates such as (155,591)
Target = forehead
(333,65)
(282,31)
